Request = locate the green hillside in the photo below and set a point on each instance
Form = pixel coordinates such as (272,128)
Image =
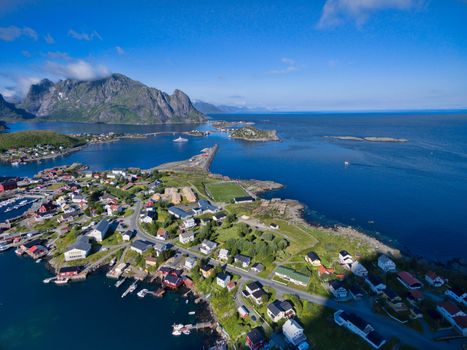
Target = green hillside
(33,138)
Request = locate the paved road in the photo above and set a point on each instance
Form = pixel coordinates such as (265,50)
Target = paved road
(386,326)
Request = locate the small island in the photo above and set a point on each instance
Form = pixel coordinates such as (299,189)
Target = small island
(250,133)
(368,139)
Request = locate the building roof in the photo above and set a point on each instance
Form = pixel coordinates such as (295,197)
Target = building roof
(103,226)
(461,321)
(292,274)
(344,253)
(450,307)
(357,321)
(275,308)
(374,280)
(223,276)
(243,258)
(141,245)
(209,244)
(243,199)
(68,269)
(313,256)
(81,243)
(179,212)
(336,284)
(255,335)
(254,286)
(375,338)
(408,278)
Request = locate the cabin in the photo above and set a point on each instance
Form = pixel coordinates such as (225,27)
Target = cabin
(337,289)
(172,281)
(375,283)
(243,260)
(101,231)
(255,339)
(433,279)
(360,327)
(69,271)
(408,281)
(313,259)
(386,264)
(78,250)
(294,334)
(345,258)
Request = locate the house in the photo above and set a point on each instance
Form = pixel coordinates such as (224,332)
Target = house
(323,270)
(243,311)
(223,254)
(37,251)
(292,276)
(207,207)
(68,217)
(392,299)
(140,246)
(415,312)
(414,296)
(337,289)
(223,279)
(244,199)
(253,287)
(46,207)
(257,267)
(218,217)
(207,247)
(7,185)
(455,316)
(186,237)
(277,310)
(375,283)
(293,333)
(69,271)
(273,226)
(386,264)
(255,339)
(345,258)
(172,281)
(356,292)
(206,270)
(257,296)
(128,235)
(189,223)
(358,269)
(457,294)
(180,213)
(150,261)
(313,259)
(243,260)
(190,262)
(231,286)
(160,248)
(78,250)
(360,327)
(433,279)
(100,232)
(408,281)
(162,234)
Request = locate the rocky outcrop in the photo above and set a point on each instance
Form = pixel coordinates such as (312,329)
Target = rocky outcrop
(8,111)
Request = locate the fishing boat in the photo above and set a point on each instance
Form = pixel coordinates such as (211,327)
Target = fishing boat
(186,331)
(142,293)
(180,139)
(192,313)
(120,282)
(61,281)
(48,280)
(38,261)
(130,289)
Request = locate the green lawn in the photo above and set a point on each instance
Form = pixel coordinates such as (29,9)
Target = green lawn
(225,191)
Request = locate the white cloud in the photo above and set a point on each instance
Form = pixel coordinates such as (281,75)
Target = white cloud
(120,50)
(49,39)
(336,12)
(289,64)
(58,55)
(84,36)
(78,69)
(12,33)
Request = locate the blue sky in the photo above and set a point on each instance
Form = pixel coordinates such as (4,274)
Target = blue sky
(287,55)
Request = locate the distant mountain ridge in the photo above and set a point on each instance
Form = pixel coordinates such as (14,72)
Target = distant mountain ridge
(209,108)
(114,99)
(8,111)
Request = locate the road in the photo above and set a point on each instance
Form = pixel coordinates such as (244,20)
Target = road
(387,327)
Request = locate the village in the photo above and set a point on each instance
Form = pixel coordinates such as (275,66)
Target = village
(271,280)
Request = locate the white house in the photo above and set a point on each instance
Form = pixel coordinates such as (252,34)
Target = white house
(457,294)
(223,279)
(128,235)
(78,250)
(190,262)
(345,257)
(433,279)
(189,223)
(140,246)
(360,327)
(277,310)
(244,260)
(386,264)
(375,283)
(293,332)
(337,289)
(358,269)
(455,316)
(100,232)
(186,237)
(207,247)
(223,254)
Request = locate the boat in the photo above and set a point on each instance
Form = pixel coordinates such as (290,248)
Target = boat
(15,163)
(9,209)
(186,301)
(48,280)
(176,333)
(142,293)
(3,247)
(192,313)
(19,251)
(61,281)
(38,261)
(130,289)
(180,139)
(346,163)
(113,261)
(186,331)
(120,282)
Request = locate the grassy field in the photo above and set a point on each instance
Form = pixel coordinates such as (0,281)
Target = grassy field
(32,138)
(225,191)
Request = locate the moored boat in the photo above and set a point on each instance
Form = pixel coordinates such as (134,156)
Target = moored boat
(180,139)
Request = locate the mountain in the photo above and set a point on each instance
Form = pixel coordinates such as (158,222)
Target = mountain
(115,99)
(209,108)
(8,111)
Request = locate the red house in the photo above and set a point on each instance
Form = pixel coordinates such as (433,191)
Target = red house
(69,271)
(172,281)
(37,251)
(255,339)
(8,185)
(46,208)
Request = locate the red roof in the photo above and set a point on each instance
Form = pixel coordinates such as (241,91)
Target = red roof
(461,321)
(408,278)
(432,275)
(416,294)
(33,248)
(450,307)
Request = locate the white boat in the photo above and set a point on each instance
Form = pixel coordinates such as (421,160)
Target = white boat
(180,139)
(38,261)
(186,331)
(48,280)
(178,327)
(192,313)
(112,262)
(15,163)
(61,281)
(19,251)
(142,293)
(3,247)
(346,163)
(120,282)
(176,333)
(130,289)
